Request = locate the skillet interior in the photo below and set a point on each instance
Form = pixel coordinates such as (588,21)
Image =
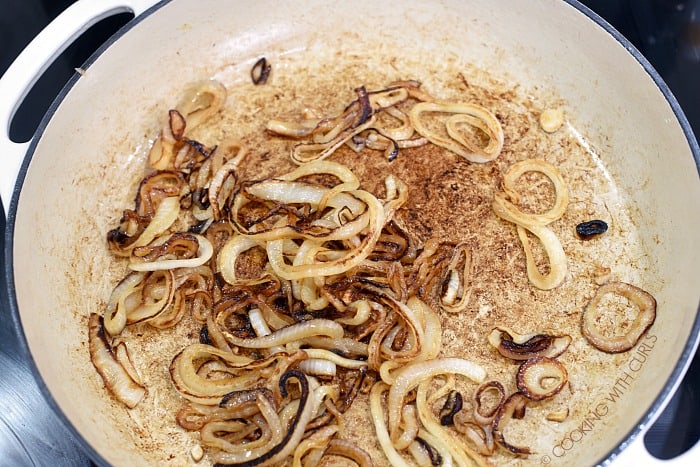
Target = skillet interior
(71,196)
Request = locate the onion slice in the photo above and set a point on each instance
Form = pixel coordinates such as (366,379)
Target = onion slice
(646,315)
(541,377)
(513,407)
(472,114)
(411,375)
(522,347)
(116,378)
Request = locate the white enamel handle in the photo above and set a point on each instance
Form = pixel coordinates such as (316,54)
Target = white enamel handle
(636,454)
(33,61)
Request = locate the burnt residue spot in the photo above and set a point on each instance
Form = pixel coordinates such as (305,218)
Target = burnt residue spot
(590,229)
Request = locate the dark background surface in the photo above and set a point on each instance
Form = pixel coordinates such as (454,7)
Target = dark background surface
(667,32)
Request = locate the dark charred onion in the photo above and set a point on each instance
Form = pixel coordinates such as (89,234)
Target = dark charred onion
(260,72)
(590,229)
(435,457)
(646,314)
(116,379)
(513,407)
(541,377)
(522,347)
(453,404)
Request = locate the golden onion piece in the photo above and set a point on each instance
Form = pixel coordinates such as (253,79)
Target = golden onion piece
(461,114)
(513,407)
(621,342)
(541,377)
(505,206)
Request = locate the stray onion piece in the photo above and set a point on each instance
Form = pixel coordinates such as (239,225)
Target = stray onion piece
(590,229)
(620,341)
(541,377)
(505,207)
(523,347)
(260,72)
(116,378)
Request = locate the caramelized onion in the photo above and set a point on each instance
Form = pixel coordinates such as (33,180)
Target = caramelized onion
(260,72)
(646,314)
(484,415)
(116,378)
(522,347)
(343,448)
(513,407)
(471,114)
(541,377)
(203,251)
(536,223)
(411,375)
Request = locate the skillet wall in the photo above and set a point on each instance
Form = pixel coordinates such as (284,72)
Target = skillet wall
(92,148)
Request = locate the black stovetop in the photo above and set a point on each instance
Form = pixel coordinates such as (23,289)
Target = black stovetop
(667,32)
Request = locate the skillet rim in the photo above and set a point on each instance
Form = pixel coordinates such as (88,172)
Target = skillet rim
(640,427)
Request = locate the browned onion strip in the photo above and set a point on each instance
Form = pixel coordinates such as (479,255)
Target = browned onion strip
(484,415)
(223,182)
(202,101)
(350,259)
(541,377)
(456,292)
(508,210)
(123,356)
(439,437)
(267,421)
(522,347)
(536,223)
(116,379)
(121,241)
(291,333)
(376,407)
(235,372)
(115,311)
(316,441)
(473,114)
(344,448)
(646,315)
(513,407)
(204,252)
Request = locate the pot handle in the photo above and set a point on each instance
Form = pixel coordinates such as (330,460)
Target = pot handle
(636,454)
(33,61)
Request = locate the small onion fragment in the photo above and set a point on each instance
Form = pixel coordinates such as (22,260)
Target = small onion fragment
(589,229)
(646,315)
(541,377)
(260,72)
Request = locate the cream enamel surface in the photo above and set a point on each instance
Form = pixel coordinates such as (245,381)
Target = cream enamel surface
(74,184)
